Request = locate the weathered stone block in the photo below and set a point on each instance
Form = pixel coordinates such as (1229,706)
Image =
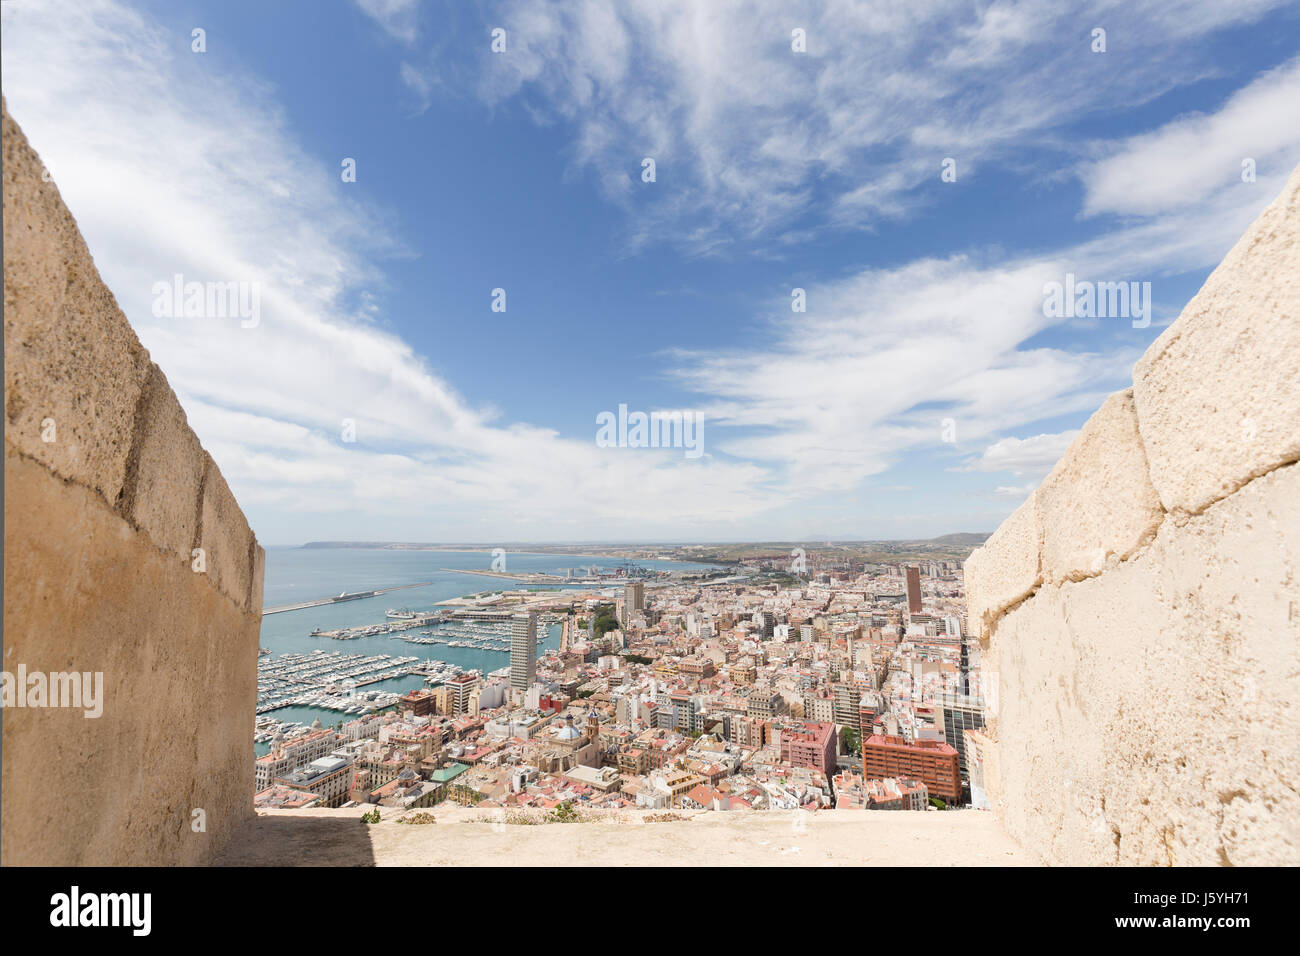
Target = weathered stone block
(259,579)
(228,544)
(1216,395)
(73,367)
(86,592)
(165,471)
(1098,504)
(1147,715)
(1005,570)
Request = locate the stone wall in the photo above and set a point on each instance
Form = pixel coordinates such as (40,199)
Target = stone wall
(108,494)
(1141,611)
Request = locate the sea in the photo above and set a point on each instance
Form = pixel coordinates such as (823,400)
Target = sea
(295,574)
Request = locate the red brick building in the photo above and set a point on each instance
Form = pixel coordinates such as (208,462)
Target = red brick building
(933,763)
(913,590)
(868,711)
(421,703)
(812,746)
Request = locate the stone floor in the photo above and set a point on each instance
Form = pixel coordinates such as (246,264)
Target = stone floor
(468,837)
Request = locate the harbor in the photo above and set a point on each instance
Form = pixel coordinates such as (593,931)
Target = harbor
(397,621)
(447,640)
(330,680)
(477,637)
(341,598)
(485,630)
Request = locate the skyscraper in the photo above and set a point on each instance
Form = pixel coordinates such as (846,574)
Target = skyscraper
(913,590)
(633,597)
(961,712)
(523,650)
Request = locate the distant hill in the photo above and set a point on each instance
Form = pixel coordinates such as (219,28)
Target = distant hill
(961,539)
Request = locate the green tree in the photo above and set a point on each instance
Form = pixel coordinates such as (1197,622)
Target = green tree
(605,620)
(850,741)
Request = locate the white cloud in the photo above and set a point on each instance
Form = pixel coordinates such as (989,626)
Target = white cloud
(1014,492)
(1185,162)
(750,136)
(170,168)
(1034,456)
(867,376)
(870,373)
(398,17)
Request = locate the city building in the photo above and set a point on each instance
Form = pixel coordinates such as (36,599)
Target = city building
(421,703)
(280,797)
(913,590)
(523,650)
(328,778)
(633,597)
(460,689)
(961,713)
(933,763)
(286,756)
(896,793)
(809,745)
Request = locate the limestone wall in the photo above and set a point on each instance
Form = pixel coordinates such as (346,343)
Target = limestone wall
(1141,611)
(107,495)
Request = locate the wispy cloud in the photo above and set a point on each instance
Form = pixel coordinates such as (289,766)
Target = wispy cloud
(398,17)
(883,361)
(269,401)
(1188,161)
(1034,456)
(750,136)
(1014,492)
(138,136)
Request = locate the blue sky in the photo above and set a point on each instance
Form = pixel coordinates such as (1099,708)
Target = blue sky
(774,170)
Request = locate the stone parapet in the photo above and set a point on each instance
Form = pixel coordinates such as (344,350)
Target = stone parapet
(126,555)
(1141,610)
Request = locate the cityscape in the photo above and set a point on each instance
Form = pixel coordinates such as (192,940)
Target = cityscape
(551,437)
(802,686)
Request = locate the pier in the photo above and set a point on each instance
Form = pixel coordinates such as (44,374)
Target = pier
(341,598)
(527,577)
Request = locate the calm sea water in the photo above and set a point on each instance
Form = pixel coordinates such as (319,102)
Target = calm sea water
(294,575)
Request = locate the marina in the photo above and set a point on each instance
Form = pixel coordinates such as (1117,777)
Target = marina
(431,651)
(474,629)
(473,636)
(267,728)
(330,680)
(398,621)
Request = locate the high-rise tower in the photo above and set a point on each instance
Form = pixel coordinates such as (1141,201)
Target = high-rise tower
(523,650)
(633,597)
(913,590)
